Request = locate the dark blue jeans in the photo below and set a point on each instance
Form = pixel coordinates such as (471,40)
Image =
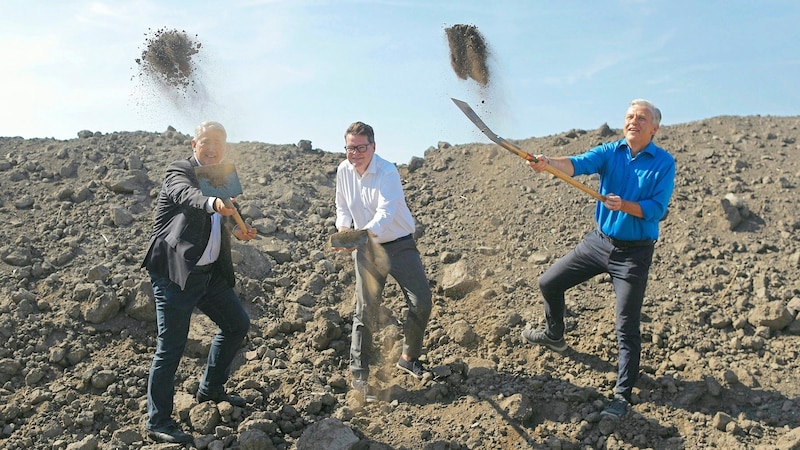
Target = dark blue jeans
(628,268)
(211,295)
(373,263)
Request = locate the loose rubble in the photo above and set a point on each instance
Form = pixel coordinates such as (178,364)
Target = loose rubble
(720,320)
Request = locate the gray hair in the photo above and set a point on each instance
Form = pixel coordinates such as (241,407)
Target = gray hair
(209,124)
(655,112)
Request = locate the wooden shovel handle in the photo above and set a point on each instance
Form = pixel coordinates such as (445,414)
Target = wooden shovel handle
(557,173)
(575,183)
(236,216)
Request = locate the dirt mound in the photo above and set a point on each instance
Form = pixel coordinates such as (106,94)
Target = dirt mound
(170,57)
(468,53)
(720,320)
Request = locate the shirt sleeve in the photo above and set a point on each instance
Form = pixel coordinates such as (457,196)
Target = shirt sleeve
(655,206)
(210,205)
(181,189)
(343,216)
(591,161)
(390,196)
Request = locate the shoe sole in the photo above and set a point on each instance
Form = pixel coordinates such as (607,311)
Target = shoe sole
(159,440)
(555,348)
(240,402)
(611,415)
(404,369)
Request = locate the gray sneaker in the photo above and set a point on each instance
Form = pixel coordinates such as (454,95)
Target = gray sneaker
(539,337)
(617,408)
(413,367)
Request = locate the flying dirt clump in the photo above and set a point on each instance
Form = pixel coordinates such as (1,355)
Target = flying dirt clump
(169,57)
(468,53)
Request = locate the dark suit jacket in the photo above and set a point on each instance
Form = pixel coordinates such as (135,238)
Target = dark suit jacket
(182,228)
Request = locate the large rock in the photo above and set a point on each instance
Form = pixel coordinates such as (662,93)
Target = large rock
(126,181)
(774,315)
(142,306)
(250,261)
(255,440)
(102,307)
(328,434)
(459,280)
(204,417)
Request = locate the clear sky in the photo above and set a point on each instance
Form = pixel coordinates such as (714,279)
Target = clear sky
(278,71)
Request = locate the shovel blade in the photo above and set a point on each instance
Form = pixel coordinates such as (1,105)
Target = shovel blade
(349,239)
(219,180)
(473,117)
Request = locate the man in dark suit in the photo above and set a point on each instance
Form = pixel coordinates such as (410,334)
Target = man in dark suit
(189,263)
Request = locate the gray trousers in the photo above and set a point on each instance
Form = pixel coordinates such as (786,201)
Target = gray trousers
(373,263)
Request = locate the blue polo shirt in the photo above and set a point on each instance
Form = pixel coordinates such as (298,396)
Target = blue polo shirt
(648,179)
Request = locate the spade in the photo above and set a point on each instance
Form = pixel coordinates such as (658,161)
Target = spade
(221,181)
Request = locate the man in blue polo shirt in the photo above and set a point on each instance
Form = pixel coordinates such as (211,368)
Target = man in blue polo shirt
(637,179)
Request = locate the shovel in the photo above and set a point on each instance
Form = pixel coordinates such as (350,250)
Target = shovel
(221,181)
(349,239)
(473,117)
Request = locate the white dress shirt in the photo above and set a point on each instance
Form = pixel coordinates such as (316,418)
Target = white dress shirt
(373,201)
(211,252)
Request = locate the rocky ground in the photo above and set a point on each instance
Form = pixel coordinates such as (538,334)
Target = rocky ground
(721,328)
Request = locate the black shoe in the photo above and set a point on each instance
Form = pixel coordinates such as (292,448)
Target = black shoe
(413,367)
(220,397)
(170,434)
(617,408)
(539,337)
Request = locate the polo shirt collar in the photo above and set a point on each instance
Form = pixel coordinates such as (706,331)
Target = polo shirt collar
(649,149)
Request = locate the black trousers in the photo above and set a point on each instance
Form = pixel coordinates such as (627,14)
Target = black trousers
(628,266)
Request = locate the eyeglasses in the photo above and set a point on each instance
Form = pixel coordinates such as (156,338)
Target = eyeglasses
(357,148)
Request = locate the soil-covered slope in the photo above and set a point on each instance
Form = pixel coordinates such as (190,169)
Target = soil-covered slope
(721,334)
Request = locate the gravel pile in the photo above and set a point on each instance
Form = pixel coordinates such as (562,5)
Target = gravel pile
(719,362)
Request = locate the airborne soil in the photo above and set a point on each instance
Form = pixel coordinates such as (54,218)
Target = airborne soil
(169,58)
(469,53)
(720,319)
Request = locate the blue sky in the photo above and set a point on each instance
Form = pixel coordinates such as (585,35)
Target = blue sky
(278,71)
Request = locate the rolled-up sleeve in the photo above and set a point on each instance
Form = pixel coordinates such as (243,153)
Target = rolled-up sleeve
(655,206)
(344,218)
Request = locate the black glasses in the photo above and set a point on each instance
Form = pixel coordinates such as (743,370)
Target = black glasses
(357,148)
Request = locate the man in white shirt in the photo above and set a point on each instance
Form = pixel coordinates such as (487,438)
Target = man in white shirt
(369,196)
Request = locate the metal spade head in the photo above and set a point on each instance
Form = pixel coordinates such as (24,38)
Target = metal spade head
(219,180)
(349,239)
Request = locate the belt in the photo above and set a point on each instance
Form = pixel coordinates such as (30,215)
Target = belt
(626,244)
(404,238)
(203,269)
